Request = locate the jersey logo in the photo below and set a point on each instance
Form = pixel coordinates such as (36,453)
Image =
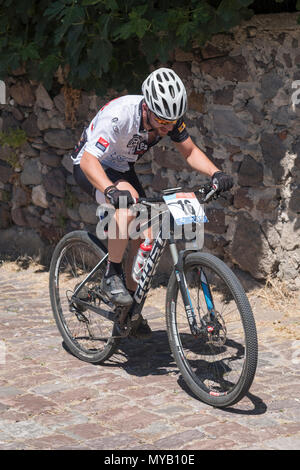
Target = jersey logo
(138,145)
(102,144)
(182,127)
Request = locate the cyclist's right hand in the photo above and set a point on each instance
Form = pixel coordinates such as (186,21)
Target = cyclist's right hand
(222,181)
(114,194)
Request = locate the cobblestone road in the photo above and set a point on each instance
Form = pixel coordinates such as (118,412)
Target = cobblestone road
(51,400)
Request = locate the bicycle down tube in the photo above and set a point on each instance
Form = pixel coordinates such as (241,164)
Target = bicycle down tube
(149,269)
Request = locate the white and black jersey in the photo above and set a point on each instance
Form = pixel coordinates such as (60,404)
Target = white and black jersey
(116,135)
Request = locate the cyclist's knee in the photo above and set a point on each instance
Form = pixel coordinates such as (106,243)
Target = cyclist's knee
(125,186)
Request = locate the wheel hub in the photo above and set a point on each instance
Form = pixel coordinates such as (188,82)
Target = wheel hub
(215,329)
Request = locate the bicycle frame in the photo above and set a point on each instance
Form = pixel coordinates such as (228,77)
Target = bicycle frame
(144,284)
(218,366)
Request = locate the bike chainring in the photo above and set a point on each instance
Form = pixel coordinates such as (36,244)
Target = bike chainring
(94,296)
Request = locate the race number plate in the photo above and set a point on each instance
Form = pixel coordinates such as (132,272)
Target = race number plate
(185,208)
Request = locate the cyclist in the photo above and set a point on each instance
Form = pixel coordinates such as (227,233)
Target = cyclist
(121,132)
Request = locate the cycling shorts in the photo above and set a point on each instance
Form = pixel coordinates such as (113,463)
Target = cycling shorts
(114,175)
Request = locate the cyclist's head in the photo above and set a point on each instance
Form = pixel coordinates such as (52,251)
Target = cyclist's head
(165,94)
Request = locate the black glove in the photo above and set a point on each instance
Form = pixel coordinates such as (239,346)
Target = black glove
(222,181)
(113,194)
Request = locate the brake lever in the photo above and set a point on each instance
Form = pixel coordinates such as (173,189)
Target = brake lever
(212,194)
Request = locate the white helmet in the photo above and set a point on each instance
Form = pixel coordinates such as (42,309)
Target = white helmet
(165,94)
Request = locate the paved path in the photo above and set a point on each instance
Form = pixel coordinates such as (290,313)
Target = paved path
(51,400)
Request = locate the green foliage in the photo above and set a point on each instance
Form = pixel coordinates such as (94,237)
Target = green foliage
(107,43)
(70,199)
(15,138)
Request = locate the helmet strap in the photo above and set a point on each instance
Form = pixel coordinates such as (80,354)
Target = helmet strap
(146,109)
(148,121)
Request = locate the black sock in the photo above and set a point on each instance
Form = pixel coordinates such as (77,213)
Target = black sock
(113,268)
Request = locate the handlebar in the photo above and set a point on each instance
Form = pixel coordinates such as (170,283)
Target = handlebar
(206,193)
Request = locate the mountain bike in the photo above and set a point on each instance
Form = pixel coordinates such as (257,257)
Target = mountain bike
(210,325)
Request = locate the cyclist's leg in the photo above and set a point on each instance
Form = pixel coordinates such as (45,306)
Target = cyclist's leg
(116,291)
(118,236)
(135,242)
(132,184)
(118,231)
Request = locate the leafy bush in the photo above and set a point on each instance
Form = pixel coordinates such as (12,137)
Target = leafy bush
(15,138)
(100,44)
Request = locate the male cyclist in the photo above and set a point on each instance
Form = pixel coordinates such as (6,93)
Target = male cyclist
(121,132)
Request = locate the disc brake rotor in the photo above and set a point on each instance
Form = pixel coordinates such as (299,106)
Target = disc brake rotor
(216,330)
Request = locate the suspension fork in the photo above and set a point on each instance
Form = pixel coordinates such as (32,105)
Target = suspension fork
(178,259)
(207,294)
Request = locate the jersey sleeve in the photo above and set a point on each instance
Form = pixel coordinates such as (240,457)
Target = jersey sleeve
(106,128)
(179,133)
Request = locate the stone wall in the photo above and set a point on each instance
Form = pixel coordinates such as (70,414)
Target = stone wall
(240,114)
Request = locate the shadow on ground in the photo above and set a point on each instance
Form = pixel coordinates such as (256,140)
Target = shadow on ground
(142,358)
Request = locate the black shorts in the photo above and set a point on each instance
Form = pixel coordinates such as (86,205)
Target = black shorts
(114,175)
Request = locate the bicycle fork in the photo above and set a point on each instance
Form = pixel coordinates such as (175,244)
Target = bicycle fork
(178,259)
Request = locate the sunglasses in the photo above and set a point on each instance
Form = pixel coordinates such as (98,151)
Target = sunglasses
(163,122)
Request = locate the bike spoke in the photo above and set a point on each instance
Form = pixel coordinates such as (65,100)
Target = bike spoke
(215,357)
(90,329)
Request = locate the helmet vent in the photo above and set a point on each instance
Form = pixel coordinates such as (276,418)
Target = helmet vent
(158,109)
(181,106)
(154,94)
(166,107)
(172,91)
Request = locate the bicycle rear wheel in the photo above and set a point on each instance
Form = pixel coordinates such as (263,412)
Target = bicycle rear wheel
(88,335)
(219,363)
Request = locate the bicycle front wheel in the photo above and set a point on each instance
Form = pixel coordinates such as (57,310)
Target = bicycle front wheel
(87,334)
(218,363)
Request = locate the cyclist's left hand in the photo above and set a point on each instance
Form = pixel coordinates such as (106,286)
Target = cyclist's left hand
(223,181)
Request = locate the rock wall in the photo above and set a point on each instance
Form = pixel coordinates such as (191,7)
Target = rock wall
(240,88)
